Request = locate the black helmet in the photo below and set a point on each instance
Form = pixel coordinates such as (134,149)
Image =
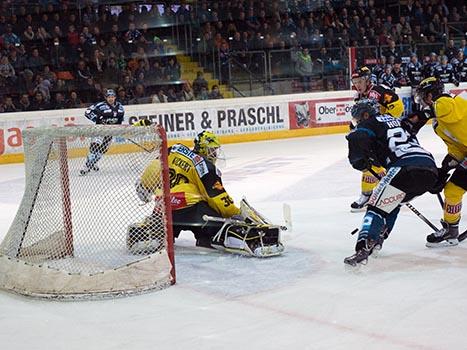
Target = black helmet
(429,85)
(362,72)
(109,92)
(363,106)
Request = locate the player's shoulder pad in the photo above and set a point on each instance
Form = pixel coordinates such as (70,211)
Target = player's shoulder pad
(200,164)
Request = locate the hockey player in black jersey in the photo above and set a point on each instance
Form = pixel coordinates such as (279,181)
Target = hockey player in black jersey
(411,171)
(414,76)
(459,64)
(430,66)
(445,72)
(108,112)
(414,71)
(389,103)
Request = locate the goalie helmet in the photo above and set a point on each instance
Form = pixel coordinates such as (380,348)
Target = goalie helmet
(432,86)
(207,144)
(361,107)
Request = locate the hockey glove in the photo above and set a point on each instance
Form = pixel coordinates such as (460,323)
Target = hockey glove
(142,122)
(448,163)
(362,164)
(143,193)
(443,177)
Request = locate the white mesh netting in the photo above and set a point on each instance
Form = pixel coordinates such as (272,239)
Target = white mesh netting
(80,236)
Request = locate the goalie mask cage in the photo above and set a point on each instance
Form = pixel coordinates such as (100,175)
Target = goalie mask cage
(70,236)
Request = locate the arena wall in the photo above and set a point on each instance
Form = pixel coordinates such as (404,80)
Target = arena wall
(235,120)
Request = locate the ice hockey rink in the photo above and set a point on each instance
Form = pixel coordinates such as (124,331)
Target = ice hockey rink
(411,297)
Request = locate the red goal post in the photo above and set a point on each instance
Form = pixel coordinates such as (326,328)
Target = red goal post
(75,236)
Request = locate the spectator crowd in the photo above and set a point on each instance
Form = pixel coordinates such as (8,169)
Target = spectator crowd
(55,55)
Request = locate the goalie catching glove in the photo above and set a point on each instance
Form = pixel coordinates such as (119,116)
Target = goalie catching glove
(146,237)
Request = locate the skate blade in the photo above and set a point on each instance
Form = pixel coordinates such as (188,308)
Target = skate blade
(376,251)
(353,265)
(358,210)
(443,244)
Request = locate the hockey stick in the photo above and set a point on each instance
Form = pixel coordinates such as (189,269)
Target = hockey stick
(440,200)
(410,206)
(141,146)
(287,213)
(239,222)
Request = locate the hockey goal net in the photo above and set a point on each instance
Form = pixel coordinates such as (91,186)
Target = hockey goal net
(71,235)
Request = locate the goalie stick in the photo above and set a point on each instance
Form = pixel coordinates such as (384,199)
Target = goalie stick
(148,150)
(240,222)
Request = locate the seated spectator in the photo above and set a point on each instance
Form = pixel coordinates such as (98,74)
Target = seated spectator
(160,97)
(36,62)
(187,92)
(203,94)
(7,72)
(29,35)
(26,83)
(171,95)
(451,51)
(43,35)
(173,70)
(392,50)
(157,73)
(74,101)
(199,83)
(17,61)
(112,75)
(24,104)
(72,36)
(9,106)
(139,96)
(113,48)
(59,101)
(97,62)
(43,86)
(122,96)
(10,38)
(83,73)
(39,103)
(215,93)
(49,75)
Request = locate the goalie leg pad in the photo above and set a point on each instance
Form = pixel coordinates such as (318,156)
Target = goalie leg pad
(251,240)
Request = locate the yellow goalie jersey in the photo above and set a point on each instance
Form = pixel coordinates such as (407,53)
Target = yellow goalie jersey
(192,179)
(451,124)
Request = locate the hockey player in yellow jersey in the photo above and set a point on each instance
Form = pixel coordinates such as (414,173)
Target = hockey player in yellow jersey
(450,124)
(389,103)
(197,192)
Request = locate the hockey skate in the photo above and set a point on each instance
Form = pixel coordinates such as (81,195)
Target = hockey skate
(374,253)
(360,204)
(363,251)
(87,169)
(359,258)
(447,236)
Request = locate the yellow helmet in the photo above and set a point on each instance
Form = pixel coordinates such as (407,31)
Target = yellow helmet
(207,144)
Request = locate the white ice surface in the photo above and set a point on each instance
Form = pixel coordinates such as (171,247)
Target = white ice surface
(411,297)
